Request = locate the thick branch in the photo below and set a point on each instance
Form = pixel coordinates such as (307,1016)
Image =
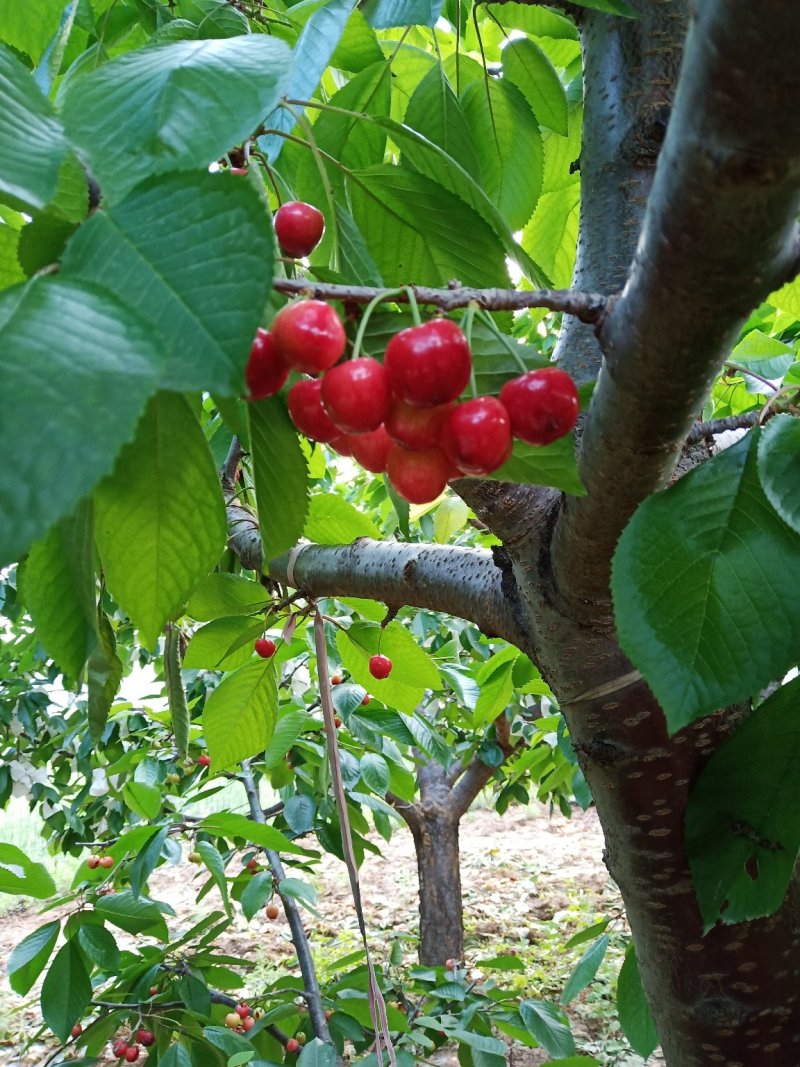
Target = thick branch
(464,582)
(720,233)
(588,307)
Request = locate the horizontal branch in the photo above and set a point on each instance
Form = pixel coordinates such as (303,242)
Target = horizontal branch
(704,431)
(588,307)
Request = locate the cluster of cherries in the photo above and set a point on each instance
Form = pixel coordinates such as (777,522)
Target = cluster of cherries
(129,1049)
(400,417)
(241,1019)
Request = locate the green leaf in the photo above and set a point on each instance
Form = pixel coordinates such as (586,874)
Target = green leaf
(11,271)
(634,1014)
(287,731)
(42,242)
(385,14)
(32,145)
(227,825)
(509,146)
(103,676)
(586,935)
(144,799)
(66,990)
(99,946)
(495,694)
(704,584)
(175,1056)
(527,66)
(765,355)
(551,236)
(239,716)
(172,107)
(176,694)
(545,1023)
(585,969)
(216,868)
(56,584)
(611,7)
(201,292)
(332,520)
(256,894)
(194,992)
(539,21)
(299,812)
(415,228)
(28,959)
(160,518)
(413,670)
(146,860)
(224,644)
(742,838)
(318,1053)
(492,1046)
(281,476)
(502,963)
(29,27)
(133,915)
(435,112)
(375,772)
(779,467)
(100,365)
(226,594)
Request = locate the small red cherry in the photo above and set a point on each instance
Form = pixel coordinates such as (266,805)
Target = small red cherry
(419,477)
(204,760)
(309,335)
(416,428)
(119,1048)
(132,1054)
(242,1010)
(106,861)
(336,679)
(366,699)
(76,1030)
(371,449)
(477,436)
(265,647)
(273,911)
(93,862)
(248,1024)
(429,364)
(307,412)
(146,1038)
(341,444)
(266,372)
(380,666)
(252,864)
(337,722)
(292,1045)
(299,228)
(356,396)
(542,405)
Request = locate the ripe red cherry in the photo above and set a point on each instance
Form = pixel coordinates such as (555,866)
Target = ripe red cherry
(273,911)
(341,444)
(204,760)
(265,647)
(366,699)
(416,428)
(248,1024)
(429,364)
(242,1010)
(419,477)
(336,679)
(93,862)
(299,228)
(76,1030)
(543,405)
(307,412)
(356,395)
(477,436)
(292,1045)
(371,449)
(146,1038)
(107,862)
(132,1053)
(266,372)
(380,666)
(309,336)
(119,1048)
(252,864)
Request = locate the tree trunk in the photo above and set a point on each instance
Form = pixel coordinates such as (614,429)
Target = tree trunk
(441,919)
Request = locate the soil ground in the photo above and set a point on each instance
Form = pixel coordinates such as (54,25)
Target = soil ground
(530,881)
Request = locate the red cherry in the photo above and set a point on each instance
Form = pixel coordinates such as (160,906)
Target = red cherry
(336,679)
(93,862)
(265,647)
(204,760)
(543,405)
(356,395)
(416,428)
(309,336)
(380,666)
(337,722)
(266,372)
(248,1024)
(341,444)
(273,911)
(132,1053)
(146,1038)
(76,1030)
(477,436)
(366,699)
(242,1010)
(252,864)
(292,1045)
(429,364)
(106,861)
(308,414)
(119,1048)
(419,477)
(371,449)
(299,228)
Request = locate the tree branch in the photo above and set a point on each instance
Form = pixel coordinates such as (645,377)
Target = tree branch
(719,235)
(588,307)
(705,431)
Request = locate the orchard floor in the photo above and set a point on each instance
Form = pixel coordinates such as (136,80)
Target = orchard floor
(530,881)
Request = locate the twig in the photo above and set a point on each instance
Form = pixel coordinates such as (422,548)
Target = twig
(216,998)
(588,307)
(706,430)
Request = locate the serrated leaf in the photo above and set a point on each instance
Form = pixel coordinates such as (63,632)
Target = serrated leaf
(32,144)
(491,1046)
(28,959)
(201,292)
(527,66)
(176,694)
(29,27)
(223,644)
(104,673)
(634,1014)
(544,1022)
(143,799)
(450,518)
(226,594)
(299,813)
(280,473)
(385,14)
(57,586)
(160,519)
(551,236)
(700,574)
(100,365)
(66,990)
(495,695)
(318,1053)
(255,833)
(11,271)
(175,1056)
(99,945)
(172,106)
(146,860)
(332,520)
(287,730)
(42,241)
(132,914)
(435,112)
(256,894)
(239,716)
(375,772)
(413,670)
(586,935)
(779,467)
(553,464)
(585,969)
(216,868)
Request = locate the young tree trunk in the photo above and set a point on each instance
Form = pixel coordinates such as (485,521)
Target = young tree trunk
(441,917)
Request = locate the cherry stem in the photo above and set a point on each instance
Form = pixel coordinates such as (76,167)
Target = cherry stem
(466,325)
(413,305)
(379,298)
(507,343)
(308,131)
(774,389)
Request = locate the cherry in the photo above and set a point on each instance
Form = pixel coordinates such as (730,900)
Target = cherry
(119,1048)
(292,1045)
(252,864)
(371,449)
(204,760)
(266,372)
(450,965)
(146,1038)
(232,1020)
(242,1010)
(265,647)
(337,722)
(195,857)
(366,700)
(93,862)
(154,990)
(76,1030)
(299,228)
(429,364)
(416,428)
(336,679)
(341,444)
(273,911)
(248,1024)
(477,436)
(132,1053)
(309,336)
(356,396)
(328,1015)
(419,477)
(307,412)
(543,405)
(106,861)
(380,666)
